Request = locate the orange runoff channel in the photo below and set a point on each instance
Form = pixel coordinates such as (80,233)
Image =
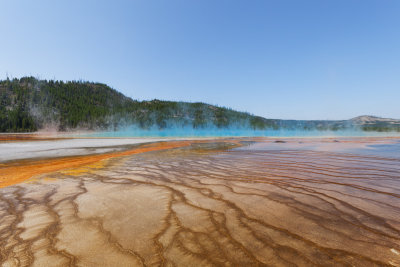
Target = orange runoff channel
(17,173)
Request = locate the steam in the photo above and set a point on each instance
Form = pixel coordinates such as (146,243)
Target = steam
(213,131)
(127,117)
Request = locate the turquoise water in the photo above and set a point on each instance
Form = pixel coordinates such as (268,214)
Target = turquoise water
(190,132)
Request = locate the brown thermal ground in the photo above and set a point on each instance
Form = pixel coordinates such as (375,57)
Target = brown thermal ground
(203,205)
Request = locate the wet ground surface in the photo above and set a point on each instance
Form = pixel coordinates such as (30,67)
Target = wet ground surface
(62,147)
(304,203)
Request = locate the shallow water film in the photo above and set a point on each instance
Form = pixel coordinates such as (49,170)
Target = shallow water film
(209,204)
(218,132)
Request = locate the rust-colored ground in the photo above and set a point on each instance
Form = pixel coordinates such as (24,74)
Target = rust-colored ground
(24,137)
(267,204)
(15,173)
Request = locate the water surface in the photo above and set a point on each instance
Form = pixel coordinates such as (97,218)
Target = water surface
(217,132)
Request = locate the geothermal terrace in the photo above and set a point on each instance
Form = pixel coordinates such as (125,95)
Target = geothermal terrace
(241,202)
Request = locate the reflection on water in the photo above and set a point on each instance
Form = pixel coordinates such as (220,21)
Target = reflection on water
(386,150)
(201,206)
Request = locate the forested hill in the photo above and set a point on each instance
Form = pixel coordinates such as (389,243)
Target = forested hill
(29,104)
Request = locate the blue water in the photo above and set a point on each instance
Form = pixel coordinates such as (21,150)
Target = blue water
(215,132)
(391,150)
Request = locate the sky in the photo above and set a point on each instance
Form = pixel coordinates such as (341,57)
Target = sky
(333,59)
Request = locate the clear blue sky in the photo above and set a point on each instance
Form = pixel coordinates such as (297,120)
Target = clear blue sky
(275,58)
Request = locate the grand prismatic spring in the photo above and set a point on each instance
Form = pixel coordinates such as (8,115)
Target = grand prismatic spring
(223,202)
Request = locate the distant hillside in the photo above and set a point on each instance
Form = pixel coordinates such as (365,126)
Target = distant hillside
(372,123)
(28,104)
(364,123)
